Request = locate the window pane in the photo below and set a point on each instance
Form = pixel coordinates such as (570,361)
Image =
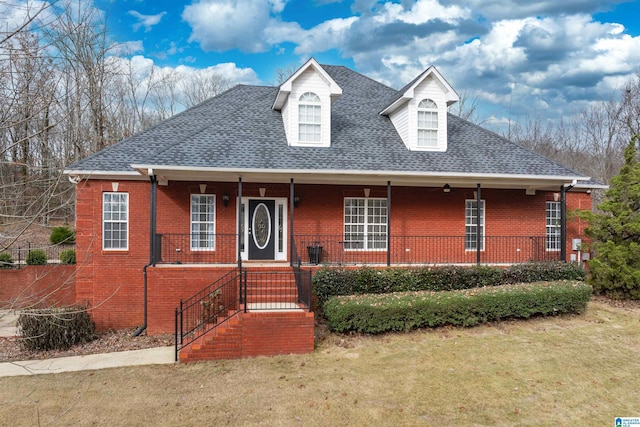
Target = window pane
(114,220)
(202,222)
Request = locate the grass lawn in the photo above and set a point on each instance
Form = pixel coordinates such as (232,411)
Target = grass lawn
(576,370)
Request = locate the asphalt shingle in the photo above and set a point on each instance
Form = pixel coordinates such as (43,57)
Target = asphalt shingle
(238,129)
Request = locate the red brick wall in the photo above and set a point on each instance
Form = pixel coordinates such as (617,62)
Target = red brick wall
(112,281)
(269,334)
(38,286)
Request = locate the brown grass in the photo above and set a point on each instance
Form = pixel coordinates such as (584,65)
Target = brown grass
(578,370)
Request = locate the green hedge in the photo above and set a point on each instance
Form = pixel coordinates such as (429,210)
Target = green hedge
(36,257)
(329,282)
(55,328)
(6,260)
(62,235)
(404,311)
(68,256)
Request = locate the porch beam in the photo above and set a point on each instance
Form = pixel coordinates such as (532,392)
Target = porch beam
(291,209)
(478,223)
(563,223)
(239,206)
(388,223)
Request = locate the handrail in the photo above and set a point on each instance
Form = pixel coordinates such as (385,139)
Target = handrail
(208,308)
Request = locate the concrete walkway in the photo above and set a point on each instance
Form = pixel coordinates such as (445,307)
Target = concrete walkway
(149,356)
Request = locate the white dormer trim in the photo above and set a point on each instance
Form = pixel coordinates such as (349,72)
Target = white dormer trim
(405,110)
(312,80)
(285,88)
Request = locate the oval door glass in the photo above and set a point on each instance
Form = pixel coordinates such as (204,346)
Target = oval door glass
(261,226)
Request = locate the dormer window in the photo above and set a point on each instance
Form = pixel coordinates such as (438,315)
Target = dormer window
(309,117)
(427,123)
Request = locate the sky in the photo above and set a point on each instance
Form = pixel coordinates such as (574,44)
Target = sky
(548,58)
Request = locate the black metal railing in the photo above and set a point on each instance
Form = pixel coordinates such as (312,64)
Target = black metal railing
(19,254)
(336,250)
(240,290)
(196,248)
(205,310)
(278,290)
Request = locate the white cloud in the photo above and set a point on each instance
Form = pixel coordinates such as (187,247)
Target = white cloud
(221,25)
(146,21)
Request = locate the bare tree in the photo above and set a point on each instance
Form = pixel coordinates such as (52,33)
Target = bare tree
(201,86)
(467,108)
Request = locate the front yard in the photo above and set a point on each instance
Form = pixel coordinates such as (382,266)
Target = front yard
(568,370)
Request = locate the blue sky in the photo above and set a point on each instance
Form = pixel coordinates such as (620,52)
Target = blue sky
(516,57)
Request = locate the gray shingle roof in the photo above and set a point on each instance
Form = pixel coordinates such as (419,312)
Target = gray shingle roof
(238,130)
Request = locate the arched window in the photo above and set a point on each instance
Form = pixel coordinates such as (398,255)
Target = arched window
(427,123)
(309,118)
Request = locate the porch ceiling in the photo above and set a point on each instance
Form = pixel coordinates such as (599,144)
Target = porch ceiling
(371,178)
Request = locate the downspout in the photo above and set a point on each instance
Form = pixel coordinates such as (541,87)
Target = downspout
(563,219)
(388,223)
(152,248)
(478,223)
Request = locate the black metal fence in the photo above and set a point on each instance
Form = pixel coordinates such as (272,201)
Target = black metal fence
(19,254)
(336,250)
(197,248)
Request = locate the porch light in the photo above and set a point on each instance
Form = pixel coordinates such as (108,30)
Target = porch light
(225,200)
(446,188)
(296,201)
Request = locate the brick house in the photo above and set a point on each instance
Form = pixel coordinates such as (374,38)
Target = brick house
(236,199)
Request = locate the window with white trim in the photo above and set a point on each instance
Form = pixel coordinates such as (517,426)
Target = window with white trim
(115,221)
(471,225)
(427,124)
(203,222)
(309,118)
(552,238)
(365,224)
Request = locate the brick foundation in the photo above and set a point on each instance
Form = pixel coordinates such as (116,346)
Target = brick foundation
(38,286)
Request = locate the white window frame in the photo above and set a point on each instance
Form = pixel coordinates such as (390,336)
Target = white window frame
(112,214)
(362,220)
(553,229)
(427,124)
(470,226)
(208,222)
(309,118)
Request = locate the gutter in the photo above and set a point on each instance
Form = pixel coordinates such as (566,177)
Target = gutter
(152,249)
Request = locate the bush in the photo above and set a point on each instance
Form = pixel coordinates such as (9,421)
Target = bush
(36,257)
(6,260)
(68,256)
(410,310)
(329,282)
(55,328)
(62,235)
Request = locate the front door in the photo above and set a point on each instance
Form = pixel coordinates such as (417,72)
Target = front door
(262,229)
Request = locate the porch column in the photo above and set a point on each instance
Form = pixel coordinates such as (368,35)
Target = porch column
(239,223)
(388,223)
(563,223)
(153,241)
(478,223)
(291,209)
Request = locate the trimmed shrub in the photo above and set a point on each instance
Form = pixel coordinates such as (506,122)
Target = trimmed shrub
(55,328)
(36,257)
(405,311)
(68,256)
(330,282)
(62,235)
(6,260)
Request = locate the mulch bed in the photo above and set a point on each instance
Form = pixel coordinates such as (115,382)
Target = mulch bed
(11,348)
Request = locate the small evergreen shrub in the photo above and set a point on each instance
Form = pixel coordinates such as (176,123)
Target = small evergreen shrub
(62,235)
(405,311)
(329,282)
(6,260)
(36,257)
(55,328)
(68,256)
